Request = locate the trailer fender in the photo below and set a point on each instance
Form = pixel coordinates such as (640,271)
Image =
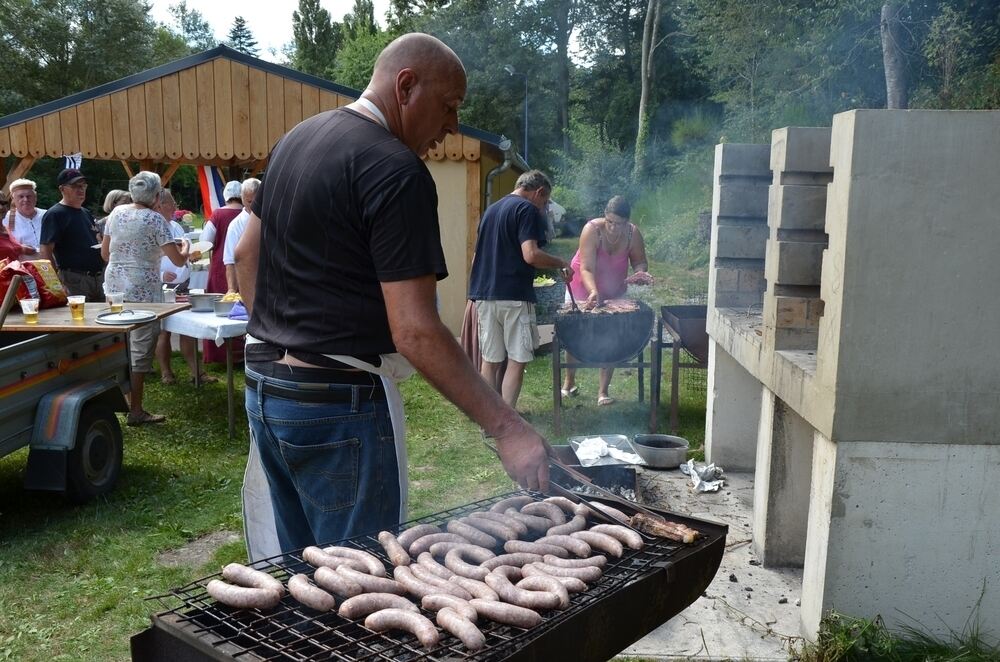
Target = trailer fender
(58,412)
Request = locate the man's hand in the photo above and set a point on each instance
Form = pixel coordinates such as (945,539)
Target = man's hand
(567,273)
(525,457)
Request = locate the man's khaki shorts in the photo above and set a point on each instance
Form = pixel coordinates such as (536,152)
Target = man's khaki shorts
(142,346)
(507,329)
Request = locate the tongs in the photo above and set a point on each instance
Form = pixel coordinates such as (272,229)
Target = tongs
(572,299)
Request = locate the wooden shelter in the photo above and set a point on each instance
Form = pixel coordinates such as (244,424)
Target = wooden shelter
(222,107)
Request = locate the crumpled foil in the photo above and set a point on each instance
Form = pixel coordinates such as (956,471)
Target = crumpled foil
(705,477)
(592,449)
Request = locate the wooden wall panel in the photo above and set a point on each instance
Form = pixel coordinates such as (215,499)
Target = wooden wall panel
(53,135)
(205,74)
(241,111)
(153,91)
(120,124)
(223,108)
(19,140)
(70,131)
(103,129)
(343,100)
(473,207)
(85,125)
(470,148)
(36,137)
(188,80)
(173,147)
(4,144)
(453,146)
(259,146)
(293,104)
(327,100)
(275,109)
(435,153)
(310,101)
(139,141)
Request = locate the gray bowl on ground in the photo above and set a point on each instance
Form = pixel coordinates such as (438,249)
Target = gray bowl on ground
(661,451)
(223,308)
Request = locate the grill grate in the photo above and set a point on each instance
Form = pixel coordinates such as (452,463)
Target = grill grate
(291,632)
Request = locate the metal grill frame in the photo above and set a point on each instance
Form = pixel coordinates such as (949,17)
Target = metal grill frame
(636,594)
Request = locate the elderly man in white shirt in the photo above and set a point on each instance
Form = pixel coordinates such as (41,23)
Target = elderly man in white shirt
(24,222)
(248,190)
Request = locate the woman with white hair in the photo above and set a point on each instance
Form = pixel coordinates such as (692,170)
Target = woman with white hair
(135,237)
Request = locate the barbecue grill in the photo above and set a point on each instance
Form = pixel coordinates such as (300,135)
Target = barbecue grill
(637,593)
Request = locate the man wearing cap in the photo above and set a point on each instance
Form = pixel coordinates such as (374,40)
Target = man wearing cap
(24,221)
(69,234)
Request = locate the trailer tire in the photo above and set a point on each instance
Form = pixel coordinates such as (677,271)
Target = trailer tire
(96,459)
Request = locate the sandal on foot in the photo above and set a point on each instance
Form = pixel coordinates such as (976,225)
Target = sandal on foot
(168,380)
(570,392)
(145,418)
(205,378)
(604,401)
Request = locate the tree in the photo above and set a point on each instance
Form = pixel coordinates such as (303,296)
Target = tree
(892,57)
(360,20)
(241,38)
(356,58)
(316,39)
(193,27)
(650,35)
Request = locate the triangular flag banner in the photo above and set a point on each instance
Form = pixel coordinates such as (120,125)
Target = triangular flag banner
(211,182)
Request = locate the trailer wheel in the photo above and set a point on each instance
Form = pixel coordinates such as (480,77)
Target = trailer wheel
(96,459)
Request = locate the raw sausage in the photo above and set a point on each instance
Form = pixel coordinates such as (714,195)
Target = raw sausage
(311,596)
(515,546)
(578,523)
(361,605)
(455,560)
(519,527)
(501,612)
(418,588)
(573,545)
(475,587)
(543,509)
(510,502)
(533,522)
(397,555)
(243,597)
(597,560)
(440,549)
(316,557)
(423,543)
(601,541)
(545,583)
(410,535)
(508,571)
(564,504)
(371,584)
(516,560)
(438,601)
(444,586)
(471,533)
(401,619)
(461,627)
(572,584)
(375,567)
(622,533)
(242,575)
(588,574)
(328,579)
(495,529)
(520,596)
(613,513)
(429,562)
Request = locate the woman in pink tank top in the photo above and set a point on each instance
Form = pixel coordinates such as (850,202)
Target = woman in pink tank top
(608,245)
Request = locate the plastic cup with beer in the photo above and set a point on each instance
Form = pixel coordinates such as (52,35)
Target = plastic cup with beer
(76,306)
(30,309)
(116,301)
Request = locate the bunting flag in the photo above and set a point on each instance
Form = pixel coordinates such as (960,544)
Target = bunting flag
(211,183)
(73,160)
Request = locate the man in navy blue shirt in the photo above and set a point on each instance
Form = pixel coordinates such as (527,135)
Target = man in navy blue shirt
(507,254)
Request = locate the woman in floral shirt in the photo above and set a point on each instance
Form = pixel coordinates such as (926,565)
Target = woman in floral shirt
(135,237)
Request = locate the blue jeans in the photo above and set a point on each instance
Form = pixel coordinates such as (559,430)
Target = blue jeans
(331,467)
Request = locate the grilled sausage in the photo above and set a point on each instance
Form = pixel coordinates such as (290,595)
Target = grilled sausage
(500,612)
(515,546)
(578,523)
(533,522)
(428,561)
(462,627)
(519,527)
(241,575)
(375,567)
(418,588)
(329,580)
(471,533)
(547,510)
(361,605)
(495,529)
(455,561)
(440,549)
(572,584)
(564,504)
(601,541)
(311,596)
(370,584)
(243,597)
(402,619)
(516,560)
(397,555)
(511,502)
(475,587)
(444,586)
(410,535)
(588,574)
(573,545)
(423,543)
(520,596)
(597,560)
(317,558)
(549,584)
(623,534)
(438,601)
(613,513)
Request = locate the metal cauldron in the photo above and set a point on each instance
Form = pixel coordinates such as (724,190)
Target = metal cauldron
(605,337)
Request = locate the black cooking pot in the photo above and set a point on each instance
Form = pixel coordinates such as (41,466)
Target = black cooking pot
(605,337)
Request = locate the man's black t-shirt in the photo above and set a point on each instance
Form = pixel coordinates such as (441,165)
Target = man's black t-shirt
(344,205)
(74,232)
(499,271)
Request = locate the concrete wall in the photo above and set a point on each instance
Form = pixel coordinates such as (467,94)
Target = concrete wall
(732,412)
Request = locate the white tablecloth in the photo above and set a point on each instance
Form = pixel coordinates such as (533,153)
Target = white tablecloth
(207,326)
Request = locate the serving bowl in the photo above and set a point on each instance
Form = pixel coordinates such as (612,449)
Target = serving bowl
(661,451)
(203,303)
